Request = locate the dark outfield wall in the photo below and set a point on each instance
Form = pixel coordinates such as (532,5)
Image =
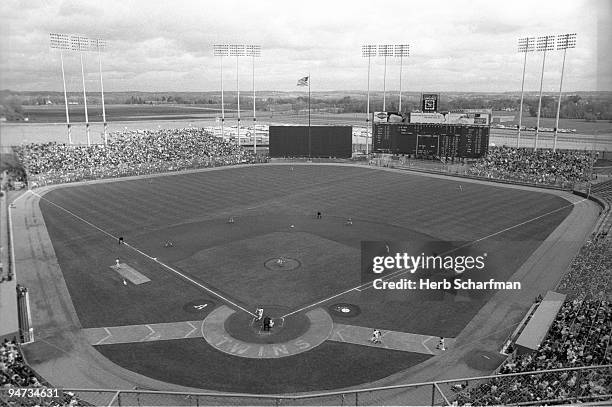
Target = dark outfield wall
(325,141)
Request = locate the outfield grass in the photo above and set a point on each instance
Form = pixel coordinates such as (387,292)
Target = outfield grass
(192,211)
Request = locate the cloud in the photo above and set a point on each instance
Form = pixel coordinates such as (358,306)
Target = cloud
(75,9)
(460,44)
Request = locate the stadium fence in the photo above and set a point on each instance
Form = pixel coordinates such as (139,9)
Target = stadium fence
(434,393)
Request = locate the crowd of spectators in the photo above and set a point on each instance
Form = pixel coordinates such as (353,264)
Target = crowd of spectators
(13,370)
(130,153)
(541,166)
(15,373)
(590,273)
(579,336)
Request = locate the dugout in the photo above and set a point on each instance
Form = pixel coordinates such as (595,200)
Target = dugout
(538,326)
(313,141)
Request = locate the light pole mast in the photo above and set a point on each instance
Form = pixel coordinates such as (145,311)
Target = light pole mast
(525,45)
(221,50)
(237,50)
(545,43)
(254,51)
(564,42)
(100,45)
(401,51)
(62,42)
(368,51)
(385,51)
(80,44)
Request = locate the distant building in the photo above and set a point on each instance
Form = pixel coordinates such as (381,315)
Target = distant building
(502,119)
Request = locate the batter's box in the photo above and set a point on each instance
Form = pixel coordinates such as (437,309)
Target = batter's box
(130,274)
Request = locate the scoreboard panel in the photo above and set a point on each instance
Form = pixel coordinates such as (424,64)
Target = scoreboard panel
(429,139)
(324,141)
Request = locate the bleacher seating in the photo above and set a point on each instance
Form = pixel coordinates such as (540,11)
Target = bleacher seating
(580,336)
(15,373)
(543,166)
(130,153)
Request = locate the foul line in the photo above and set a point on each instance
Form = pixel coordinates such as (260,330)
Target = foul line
(368,285)
(401,272)
(147,256)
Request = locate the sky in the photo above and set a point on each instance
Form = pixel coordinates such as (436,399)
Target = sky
(455,45)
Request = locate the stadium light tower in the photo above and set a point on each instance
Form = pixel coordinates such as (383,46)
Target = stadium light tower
(80,44)
(62,42)
(525,45)
(368,51)
(254,51)
(385,51)
(237,50)
(564,41)
(99,45)
(401,51)
(545,43)
(221,50)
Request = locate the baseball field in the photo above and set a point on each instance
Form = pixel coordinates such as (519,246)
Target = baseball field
(183,262)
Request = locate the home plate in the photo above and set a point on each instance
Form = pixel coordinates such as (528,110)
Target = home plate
(129,273)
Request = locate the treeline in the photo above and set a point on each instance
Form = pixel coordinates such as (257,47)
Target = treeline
(11,109)
(174,99)
(584,105)
(573,107)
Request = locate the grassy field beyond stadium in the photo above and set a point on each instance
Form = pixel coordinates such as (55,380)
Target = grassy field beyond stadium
(192,210)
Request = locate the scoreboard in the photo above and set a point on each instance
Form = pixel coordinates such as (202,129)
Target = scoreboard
(316,141)
(430,139)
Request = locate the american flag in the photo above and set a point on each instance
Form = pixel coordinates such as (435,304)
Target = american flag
(303,81)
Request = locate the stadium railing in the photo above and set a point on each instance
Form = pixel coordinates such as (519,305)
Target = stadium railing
(434,393)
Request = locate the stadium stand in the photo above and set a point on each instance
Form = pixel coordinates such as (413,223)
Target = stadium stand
(603,191)
(579,336)
(542,168)
(15,373)
(589,273)
(537,167)
(130,153)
